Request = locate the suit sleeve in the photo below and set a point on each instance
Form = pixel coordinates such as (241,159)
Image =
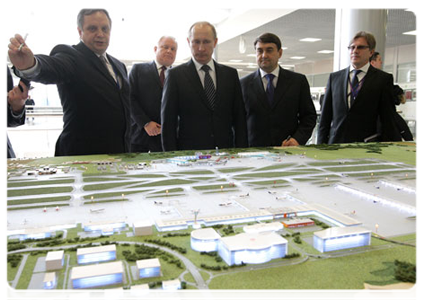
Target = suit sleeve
(169,113)
(326,115)
(13,119)
(307,114)
(136,99)
(57,68)
(240,123)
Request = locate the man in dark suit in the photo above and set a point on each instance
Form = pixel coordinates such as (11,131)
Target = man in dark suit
(92,85)
(202,105)
(280,111)
(16,97)
(356,98)
(146,81)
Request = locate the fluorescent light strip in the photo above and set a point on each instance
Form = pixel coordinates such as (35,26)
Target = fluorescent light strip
(310,40)
(413,32)
(325,51)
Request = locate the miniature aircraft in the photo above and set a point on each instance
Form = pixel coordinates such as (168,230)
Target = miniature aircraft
(271,193)
(225,204)
(165,212)
(99,210)
(246,195)
(158,202)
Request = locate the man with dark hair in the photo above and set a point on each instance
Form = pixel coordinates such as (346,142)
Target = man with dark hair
(280,111)
(146,80)
(93,87)
(356,98)
(376,60)
(202,104)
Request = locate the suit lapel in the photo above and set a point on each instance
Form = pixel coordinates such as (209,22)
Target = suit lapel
(367,79)
(258,88)
(366,83)
(282,86)
(94,59)
(153,70)
(344,87)
(219,80)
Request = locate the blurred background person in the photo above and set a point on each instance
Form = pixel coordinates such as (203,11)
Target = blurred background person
(399,98)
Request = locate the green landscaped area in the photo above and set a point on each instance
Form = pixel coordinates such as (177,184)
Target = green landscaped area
(38,191)
(39,182)
(350,272)
(395,152)
(113,194)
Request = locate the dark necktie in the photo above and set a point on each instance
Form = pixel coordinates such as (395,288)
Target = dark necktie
(270,89)
(209,88)
(162,75)
(355,86)
(354,82)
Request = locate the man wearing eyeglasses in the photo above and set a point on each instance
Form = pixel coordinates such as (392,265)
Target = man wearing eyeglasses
(356,98)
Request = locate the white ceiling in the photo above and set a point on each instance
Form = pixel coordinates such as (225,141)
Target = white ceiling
(137,25)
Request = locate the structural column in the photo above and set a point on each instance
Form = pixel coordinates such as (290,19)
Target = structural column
(350,21)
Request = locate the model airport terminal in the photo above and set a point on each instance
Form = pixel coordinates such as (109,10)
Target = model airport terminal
(273,218)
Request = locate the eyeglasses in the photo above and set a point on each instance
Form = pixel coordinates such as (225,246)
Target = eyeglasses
(357,47)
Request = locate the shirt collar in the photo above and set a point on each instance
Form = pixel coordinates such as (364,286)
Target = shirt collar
(158,66)
(364,68)
(274,72)
(198,65)
(103,55)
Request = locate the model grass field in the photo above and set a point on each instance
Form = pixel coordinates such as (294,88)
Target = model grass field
(118,186)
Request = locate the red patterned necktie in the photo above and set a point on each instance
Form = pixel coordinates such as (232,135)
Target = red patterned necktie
(162,75)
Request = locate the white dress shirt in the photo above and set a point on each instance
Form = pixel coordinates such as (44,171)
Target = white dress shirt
(275,79)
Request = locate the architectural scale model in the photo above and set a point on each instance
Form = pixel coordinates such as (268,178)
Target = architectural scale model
(186,220)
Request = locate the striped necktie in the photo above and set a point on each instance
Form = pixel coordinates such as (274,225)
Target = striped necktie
(209,88)
(108,66)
